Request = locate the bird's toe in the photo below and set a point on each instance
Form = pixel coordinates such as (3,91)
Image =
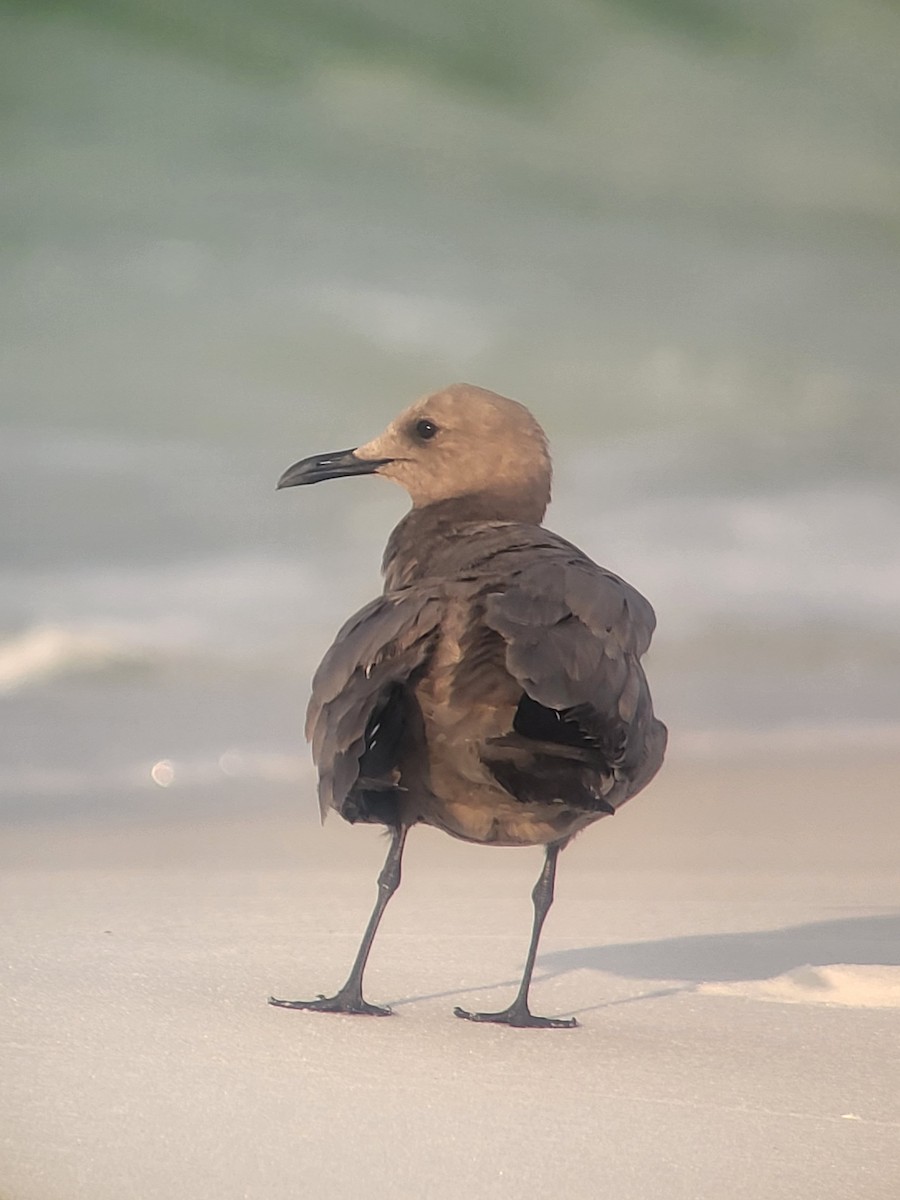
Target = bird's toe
(518,1017)
(349,1005)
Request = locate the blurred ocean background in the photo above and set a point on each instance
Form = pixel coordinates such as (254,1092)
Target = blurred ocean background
(234,235)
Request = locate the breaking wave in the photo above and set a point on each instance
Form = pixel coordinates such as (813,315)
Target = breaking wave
(48,651)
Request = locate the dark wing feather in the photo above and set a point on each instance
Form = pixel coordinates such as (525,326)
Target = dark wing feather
(574,635)
(361,696)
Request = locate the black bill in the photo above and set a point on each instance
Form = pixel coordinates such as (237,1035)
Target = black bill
(335,465)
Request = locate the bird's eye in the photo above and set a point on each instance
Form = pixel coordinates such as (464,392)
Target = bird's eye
(425,430)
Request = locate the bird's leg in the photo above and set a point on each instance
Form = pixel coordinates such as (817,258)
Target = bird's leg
(518,1013)
(350,999)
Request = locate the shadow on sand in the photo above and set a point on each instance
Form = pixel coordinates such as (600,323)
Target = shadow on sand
(726,957)
(720,957)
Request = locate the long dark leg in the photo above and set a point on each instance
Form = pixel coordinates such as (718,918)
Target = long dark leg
(518,1013)
(350,999)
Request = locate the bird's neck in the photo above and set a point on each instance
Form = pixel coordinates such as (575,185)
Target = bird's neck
(427,533)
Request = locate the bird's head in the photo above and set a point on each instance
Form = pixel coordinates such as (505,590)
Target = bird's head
(461,442)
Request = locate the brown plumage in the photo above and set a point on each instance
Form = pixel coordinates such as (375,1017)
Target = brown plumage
(494,690)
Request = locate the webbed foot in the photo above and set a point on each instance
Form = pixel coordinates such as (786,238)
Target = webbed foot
(351,1003)
(518,1016)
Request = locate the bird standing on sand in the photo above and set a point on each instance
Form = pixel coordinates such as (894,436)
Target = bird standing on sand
(494,690)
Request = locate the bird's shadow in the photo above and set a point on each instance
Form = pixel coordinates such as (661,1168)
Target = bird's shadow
(724,957)
(727,957)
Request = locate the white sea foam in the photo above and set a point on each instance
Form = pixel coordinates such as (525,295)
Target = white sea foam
(233,611)
(46,651)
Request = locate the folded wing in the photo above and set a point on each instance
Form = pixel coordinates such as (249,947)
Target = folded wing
(362,710)
(574,636)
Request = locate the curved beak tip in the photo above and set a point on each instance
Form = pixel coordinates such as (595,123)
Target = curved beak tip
(334,465)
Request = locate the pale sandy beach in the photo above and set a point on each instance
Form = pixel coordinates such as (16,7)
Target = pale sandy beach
(141,1060)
